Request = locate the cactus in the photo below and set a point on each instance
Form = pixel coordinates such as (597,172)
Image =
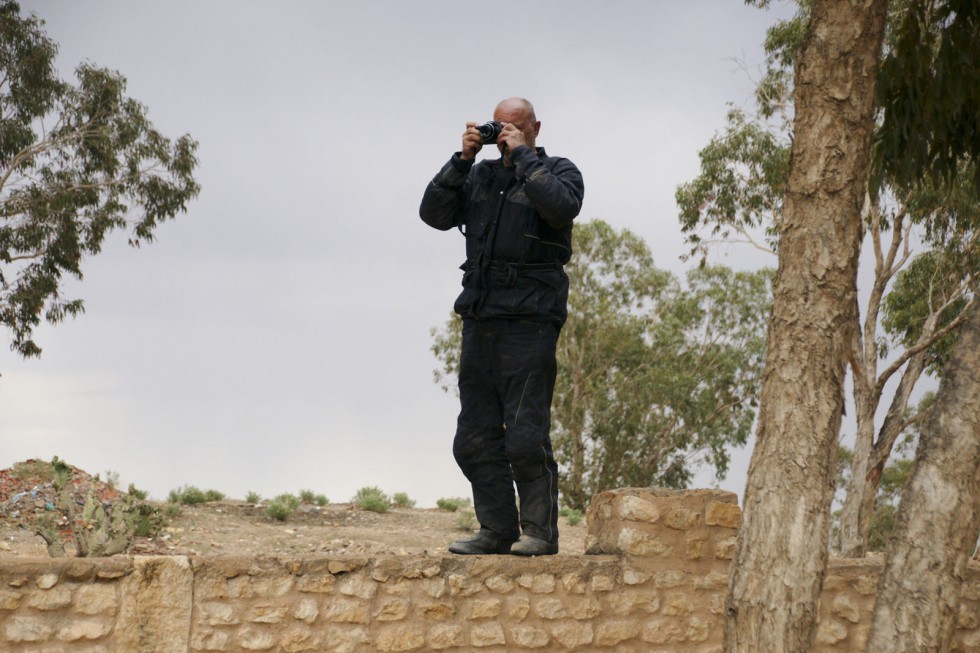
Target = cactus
(98,529)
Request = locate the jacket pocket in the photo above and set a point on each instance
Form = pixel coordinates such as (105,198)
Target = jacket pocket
(467,298)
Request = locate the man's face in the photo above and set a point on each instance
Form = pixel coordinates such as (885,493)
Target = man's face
(518,115)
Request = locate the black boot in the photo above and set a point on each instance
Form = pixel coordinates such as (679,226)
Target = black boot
(482,543)
(529,545)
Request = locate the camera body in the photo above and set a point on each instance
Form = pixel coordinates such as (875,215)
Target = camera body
(490,131)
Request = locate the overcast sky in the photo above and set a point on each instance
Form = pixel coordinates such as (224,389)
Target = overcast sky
(276,336)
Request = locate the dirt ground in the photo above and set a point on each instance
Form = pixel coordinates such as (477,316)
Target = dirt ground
(238,528)
(226,528)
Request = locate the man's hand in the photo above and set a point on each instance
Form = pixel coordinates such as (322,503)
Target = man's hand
(472,142)
(511,137)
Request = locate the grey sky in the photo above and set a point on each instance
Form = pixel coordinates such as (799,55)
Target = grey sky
(276,337)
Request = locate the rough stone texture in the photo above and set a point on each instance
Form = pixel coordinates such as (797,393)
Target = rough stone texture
(663,591)
(155,611)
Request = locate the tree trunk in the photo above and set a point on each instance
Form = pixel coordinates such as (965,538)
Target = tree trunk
(860,500)
(854,520)
(939,516)
(782,553)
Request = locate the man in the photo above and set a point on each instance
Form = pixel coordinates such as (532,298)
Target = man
(516,213)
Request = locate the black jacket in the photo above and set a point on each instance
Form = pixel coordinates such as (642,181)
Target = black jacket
(518,227)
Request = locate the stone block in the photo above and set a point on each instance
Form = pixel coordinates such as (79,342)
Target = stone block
(346,611)
(27,629)
(830,631)
(55,598)
(583,608)
(612,633)
(401,638)
(272,586)
(437,611)
(626,602)
(866,585)
(699,630)
(715,580)
(462,585)
(671,578)
(210,640)
(845,608)
(603,583)
(662,631)
(306,610)
(518,607)
(485,609)
(695,549)
(343,639)
(394,609)
(725,549)
(551,609)
(46,581)
(726,515)
(487,634)
(218,614)
(537,583)
(264,613)
(575,583)
(10,600)
(681,519)
(500,584)
(529,637)
(442,636)
(79,629)
(633,508)
(358,586)
(677,604)
(298,640)
(638,543)
(99,598)
(634,577)
(318,583)
(434,587)
(155,605)
(573,635)
(256,639)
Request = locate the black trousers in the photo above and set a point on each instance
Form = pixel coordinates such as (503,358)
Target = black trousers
(506,382)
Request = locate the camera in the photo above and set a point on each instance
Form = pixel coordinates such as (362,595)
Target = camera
(490,131)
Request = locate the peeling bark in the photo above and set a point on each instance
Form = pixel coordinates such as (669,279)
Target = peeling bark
(939,516)
(778,571)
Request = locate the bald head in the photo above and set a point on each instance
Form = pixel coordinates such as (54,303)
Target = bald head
(517,105)
(520,113)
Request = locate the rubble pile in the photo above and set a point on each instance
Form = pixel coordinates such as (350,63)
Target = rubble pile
(28,494)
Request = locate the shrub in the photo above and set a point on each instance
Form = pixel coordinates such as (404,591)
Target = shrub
(253,497)
(190,495)
(139,494)
(371,498)
(187,495)
(572,515)
(402,501)
(466,521)
(452,504)
(308,496)
(282,507)
(213,495)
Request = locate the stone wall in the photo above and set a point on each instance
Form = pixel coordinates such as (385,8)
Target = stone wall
(654,580)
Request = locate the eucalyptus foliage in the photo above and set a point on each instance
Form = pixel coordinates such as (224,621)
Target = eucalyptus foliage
(78,160)
(654,377)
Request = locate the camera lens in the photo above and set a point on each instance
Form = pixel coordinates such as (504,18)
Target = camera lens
(490,131)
